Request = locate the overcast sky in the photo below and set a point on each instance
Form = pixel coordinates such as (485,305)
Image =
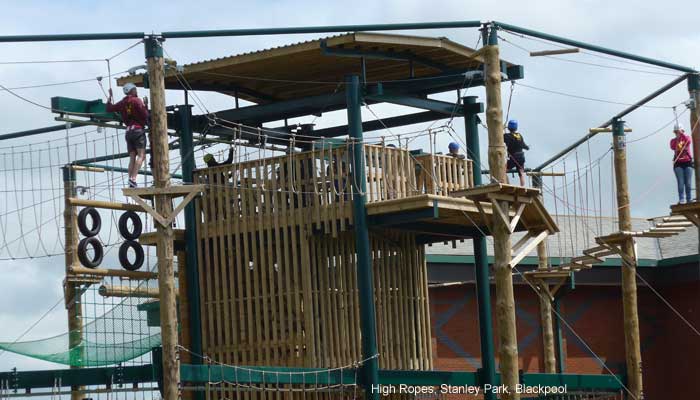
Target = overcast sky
(549,121)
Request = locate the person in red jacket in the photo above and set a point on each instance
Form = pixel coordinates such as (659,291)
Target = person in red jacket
(682,163)
(135,116)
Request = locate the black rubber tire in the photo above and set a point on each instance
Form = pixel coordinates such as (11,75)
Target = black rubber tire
(136,222)
(96,221)
(124,255)
(82,252)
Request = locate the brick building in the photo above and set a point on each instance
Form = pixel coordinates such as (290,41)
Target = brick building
(592,334)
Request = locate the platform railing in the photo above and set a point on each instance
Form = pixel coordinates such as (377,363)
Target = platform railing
(320,181)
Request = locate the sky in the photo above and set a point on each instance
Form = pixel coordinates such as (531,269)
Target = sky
(549,121)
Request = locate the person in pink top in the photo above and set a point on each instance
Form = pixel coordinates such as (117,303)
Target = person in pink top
(134,114)
(682,163)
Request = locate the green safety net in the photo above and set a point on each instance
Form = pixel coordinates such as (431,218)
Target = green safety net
(120,334)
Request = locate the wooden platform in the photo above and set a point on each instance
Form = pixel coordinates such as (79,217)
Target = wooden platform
(528,211)
(690,211)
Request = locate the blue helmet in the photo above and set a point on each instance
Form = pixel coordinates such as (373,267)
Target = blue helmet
(513,124)
(453,146)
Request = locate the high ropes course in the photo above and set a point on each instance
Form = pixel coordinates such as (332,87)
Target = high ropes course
(291,263)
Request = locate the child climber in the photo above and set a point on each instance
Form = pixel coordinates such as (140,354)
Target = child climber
(682,163)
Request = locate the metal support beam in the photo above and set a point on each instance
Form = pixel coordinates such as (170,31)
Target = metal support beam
(481,261)
(184,114)
(256,114)
(609,122)
(321,29)
(443,107)
(32,132)
(599,49)
(365,284)
(406,56)
(376,125)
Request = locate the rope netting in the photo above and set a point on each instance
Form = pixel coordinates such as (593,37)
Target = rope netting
(116,329)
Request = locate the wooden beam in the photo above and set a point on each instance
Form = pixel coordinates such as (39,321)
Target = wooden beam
(127,291)
(75,270)
(555,52)
(528,248)
(104,204)
(605,130)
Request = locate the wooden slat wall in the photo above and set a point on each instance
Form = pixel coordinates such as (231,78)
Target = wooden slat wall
(278,268)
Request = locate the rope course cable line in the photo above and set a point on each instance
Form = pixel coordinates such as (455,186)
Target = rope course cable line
(584,51)
(590,63)
(590,98)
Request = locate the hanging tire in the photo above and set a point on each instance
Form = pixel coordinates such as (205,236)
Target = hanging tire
(96,221)
(124,255)
(96,245)
(124,228)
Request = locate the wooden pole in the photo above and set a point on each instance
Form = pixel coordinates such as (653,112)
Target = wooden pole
(549,354)
(128,291)
(505,303)
(629,277)
(164,249)
(71,292)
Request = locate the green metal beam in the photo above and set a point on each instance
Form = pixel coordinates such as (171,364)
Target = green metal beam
(391,122)
(365,284)
(31,132)
(95,109)
(587,46)
(481,262)
(28,380)
(313,105)
(443,107)
(72,37)
(610,383)
(265,374)
(428,378)
(184,113)
(320,29)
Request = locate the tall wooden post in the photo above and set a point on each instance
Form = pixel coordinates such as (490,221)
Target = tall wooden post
(505,303)
(694,90)
(629,277)
(71,292)
(548,352)
(164,250)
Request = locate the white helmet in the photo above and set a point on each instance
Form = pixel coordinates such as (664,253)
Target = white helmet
(678,127)
(129,87)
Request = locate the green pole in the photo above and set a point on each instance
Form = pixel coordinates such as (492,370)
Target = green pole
(184,114)
(481,262)
(368,325)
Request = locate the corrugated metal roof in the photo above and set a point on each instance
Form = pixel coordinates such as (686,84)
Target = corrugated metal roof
(315,67)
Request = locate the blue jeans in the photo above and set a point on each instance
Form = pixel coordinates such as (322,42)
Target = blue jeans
(684,177)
